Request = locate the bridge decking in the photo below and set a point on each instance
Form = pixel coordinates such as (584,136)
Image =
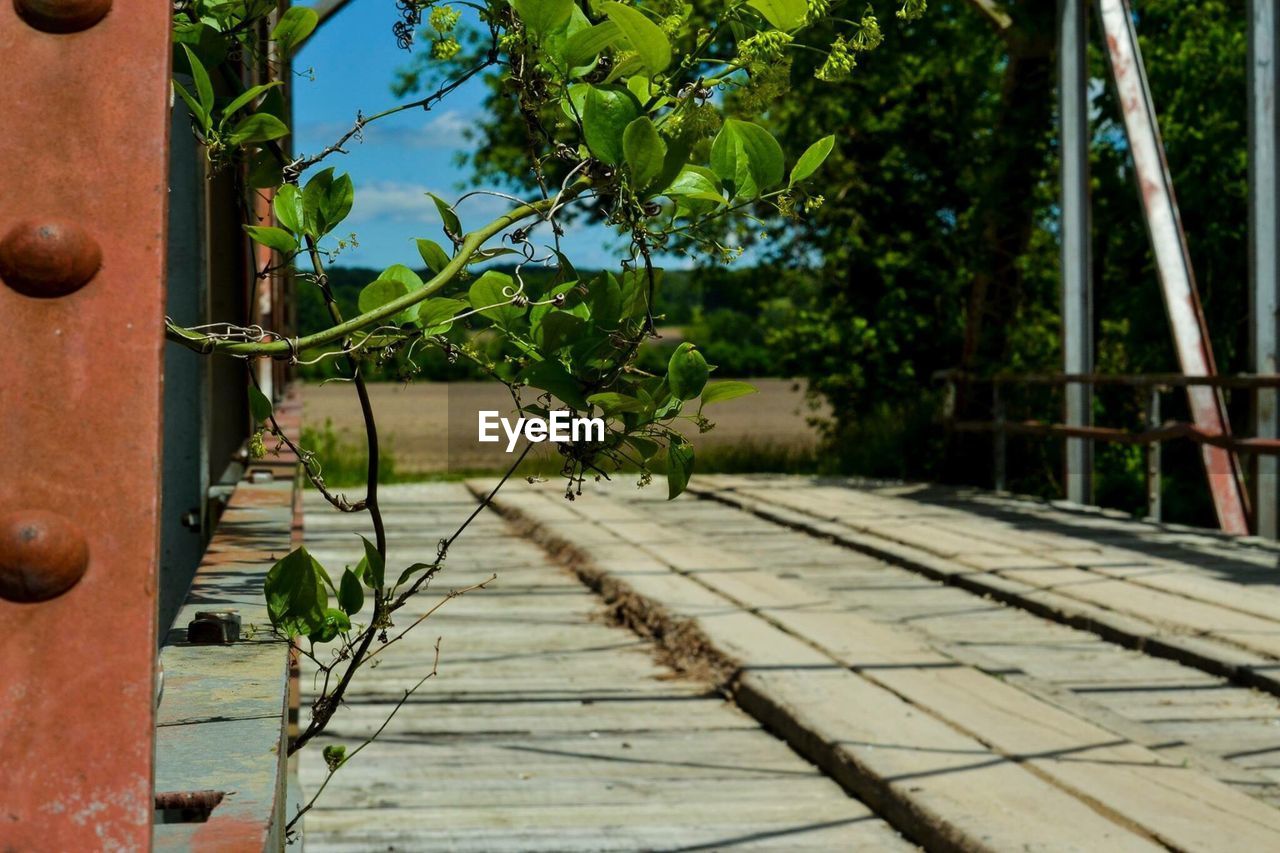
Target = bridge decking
(548,727)
(983,672)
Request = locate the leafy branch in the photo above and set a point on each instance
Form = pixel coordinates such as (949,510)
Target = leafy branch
(644,117)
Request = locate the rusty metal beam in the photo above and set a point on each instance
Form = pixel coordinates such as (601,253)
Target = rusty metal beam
(1173,260)
(1134,380)
(1167,432)
(82,263)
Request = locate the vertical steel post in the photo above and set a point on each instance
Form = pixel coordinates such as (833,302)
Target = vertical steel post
(1173,261)
(1076,267)
(1155,468)
(1264,268)
(83,166)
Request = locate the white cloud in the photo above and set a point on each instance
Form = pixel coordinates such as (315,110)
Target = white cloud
(391,201)
(388,200)
(443,130)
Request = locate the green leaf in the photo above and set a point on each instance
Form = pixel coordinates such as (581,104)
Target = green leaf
(204,86)
(811,159)
(202,38)
(585,45)
(555,44)
(606,114)
(260,407)
(606,302)
(259,127)
(326,201)
(786,15)
(273,238)
(435,315)
(200,113)
(491,295)
(452,226)
(335,622)
(377,566)
(543,16)
(718,392)
(550,376)
(435,257)
(747,155)
(380,292)
(338,201)
(313,196)
(401,273)
(644,151)
(612,402)
(395,281)
(556,330)
(350,593)
(295,591)
(411,571)
(696,182)
(294,27)
(687,372)
(645,37)
(635,291)
(288,207)
(247,96)
(679,468)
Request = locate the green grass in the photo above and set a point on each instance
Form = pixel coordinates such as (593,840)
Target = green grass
(345,464)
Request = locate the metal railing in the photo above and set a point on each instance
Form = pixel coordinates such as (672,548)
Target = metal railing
(1153,435)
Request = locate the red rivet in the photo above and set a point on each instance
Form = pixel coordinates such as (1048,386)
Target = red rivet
(62,16)
(48,258)
(42,555)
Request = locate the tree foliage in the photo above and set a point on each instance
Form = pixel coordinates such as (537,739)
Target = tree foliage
(936,245)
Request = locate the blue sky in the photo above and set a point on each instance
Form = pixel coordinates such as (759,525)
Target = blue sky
(349,65)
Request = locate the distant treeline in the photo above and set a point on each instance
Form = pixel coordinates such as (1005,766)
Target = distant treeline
(717,309)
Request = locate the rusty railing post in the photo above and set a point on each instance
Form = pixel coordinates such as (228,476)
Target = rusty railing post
(83,166)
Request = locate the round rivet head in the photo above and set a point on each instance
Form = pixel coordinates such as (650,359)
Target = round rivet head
(42,555)
(62,16)
(48,258)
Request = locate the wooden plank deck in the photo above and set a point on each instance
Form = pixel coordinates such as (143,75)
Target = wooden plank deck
(961,663)
(1200,598)
(549,728)
(913,637)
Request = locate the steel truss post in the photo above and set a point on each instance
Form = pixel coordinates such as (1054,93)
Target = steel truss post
(1077,283)
(1173,261)
(83,165)
(1264,267)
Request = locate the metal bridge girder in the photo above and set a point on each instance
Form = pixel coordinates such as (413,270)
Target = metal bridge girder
(83,165)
